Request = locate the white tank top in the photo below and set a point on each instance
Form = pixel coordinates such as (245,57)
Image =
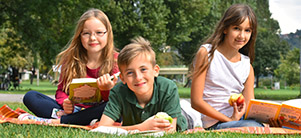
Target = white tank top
(223,79)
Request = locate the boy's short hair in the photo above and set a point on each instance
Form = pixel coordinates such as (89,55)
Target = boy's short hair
(138,46)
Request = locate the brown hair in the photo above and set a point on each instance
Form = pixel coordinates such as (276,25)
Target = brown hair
(74,58)
(235,15)
(138,46)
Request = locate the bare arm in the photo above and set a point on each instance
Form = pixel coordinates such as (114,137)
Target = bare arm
(149,124)
(197,88)
(106,121)
(248,91)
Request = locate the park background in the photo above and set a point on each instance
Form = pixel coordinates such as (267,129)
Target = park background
(33,32)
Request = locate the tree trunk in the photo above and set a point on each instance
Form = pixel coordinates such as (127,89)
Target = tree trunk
(257,81)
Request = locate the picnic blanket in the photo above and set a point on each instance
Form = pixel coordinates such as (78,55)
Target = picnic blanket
(8,115)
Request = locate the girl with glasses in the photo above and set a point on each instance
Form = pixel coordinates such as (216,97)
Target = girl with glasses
(89,54)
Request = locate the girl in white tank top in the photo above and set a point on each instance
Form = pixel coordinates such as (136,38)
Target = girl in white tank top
(223,67)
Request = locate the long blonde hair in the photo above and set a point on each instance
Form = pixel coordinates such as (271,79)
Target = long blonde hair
(235,15)
(74,58)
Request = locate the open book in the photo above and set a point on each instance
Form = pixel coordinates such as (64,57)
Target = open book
(289,112)
(85,90)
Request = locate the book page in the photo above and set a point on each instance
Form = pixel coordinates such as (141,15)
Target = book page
(262,111)
(84,80)
(293,102)
(290,116)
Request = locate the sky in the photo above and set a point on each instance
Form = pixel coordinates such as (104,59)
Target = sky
(287,13)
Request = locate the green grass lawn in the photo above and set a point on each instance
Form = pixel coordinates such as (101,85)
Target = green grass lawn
(33,131)
(47,88)
(38,131)
(260,93)
(44,87)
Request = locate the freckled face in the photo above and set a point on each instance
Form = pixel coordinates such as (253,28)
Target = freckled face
(93,37)
(139,75)
(237,36)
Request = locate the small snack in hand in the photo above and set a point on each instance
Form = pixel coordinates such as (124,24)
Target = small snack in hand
(163,115)
(236,98)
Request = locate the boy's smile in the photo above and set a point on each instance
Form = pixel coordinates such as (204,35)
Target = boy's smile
(140,84)
(139,75)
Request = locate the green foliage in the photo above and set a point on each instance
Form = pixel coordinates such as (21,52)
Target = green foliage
(168,59)
(289,68)
(266,82)
(139,18)
(189,23)
(268,46)
(13,52)
(39,30)
(268,50)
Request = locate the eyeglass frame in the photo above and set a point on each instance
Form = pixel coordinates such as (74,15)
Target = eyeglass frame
(84,35)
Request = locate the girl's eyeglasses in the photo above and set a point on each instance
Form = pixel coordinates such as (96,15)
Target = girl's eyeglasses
(96,34)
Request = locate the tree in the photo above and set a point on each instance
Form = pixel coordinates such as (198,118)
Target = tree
(12,49)
(196,23)
(268,47)
(288,70)
(146,18)
(45,27)
(35,25)
(168,59)
(187,25)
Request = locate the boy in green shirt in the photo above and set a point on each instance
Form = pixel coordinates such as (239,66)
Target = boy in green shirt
(142,93)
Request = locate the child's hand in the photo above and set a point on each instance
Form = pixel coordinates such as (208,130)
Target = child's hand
(238,111)
(68,106)
(156,124)
(275,122)
(105,83)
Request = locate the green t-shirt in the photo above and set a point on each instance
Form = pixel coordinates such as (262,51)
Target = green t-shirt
(123,103)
